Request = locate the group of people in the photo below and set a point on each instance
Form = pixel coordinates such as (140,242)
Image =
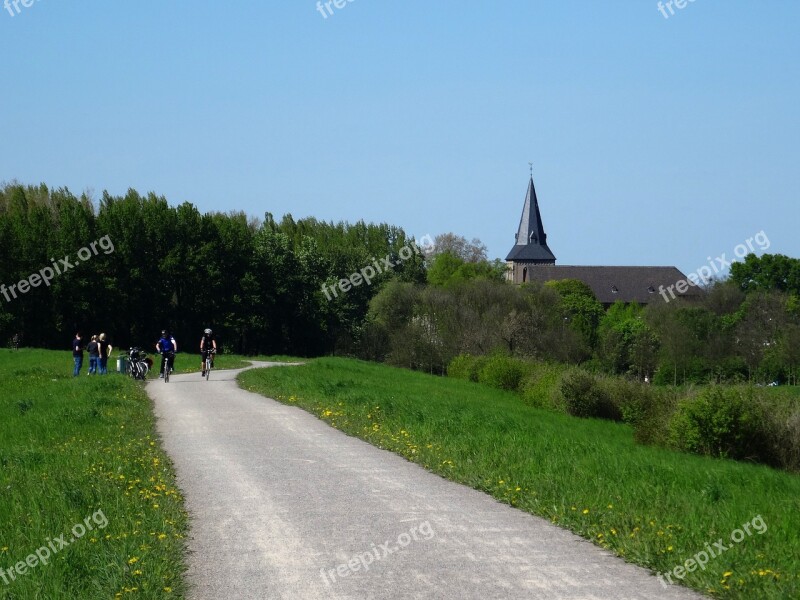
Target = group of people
(99,350)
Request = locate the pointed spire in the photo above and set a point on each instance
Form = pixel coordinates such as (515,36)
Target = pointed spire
(531,240)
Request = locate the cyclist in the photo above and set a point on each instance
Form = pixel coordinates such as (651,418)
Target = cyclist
(207,343)
(167,347)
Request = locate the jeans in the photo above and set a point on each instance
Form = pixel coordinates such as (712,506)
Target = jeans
(78,364)
(93,360)
(103,365)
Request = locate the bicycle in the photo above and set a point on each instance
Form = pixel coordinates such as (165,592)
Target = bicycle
(170,358)
(138,364)
(209,361)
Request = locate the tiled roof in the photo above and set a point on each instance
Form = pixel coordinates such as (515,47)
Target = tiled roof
(627,284)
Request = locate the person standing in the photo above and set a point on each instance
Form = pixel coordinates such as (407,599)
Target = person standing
(105,352)
(77,354)
(93,348)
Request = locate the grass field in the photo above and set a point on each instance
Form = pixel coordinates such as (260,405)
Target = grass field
(80,459)
(654,507)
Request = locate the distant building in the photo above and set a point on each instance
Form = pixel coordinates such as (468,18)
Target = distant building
(532,260)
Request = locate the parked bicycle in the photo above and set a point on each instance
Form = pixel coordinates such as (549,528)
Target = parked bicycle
(138,364)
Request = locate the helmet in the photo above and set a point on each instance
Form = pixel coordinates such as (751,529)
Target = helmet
(163,333)
(207,332)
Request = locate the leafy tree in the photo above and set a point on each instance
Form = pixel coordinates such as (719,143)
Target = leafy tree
(767,272)
(580,307)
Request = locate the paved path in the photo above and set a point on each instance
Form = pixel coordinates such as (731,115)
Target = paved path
(281,503)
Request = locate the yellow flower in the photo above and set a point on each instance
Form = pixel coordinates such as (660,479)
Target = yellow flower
(727,573)
(133,560)
(586,511)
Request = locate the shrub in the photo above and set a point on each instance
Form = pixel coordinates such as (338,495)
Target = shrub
(466,366)
(502,372)
(650,412)
(540,388)
(722,421)
(783,433)
(585,397)
(634,400)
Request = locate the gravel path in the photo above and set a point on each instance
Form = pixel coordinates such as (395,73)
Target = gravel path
(284,506)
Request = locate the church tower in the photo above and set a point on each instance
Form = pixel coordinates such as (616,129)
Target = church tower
(531,245)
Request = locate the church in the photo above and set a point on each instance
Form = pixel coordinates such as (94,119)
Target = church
(532,260)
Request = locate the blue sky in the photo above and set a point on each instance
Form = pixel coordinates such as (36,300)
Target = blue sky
(654,141)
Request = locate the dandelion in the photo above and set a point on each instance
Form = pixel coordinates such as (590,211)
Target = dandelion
(586,511)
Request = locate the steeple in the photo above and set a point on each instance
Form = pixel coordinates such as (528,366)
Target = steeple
(531,244)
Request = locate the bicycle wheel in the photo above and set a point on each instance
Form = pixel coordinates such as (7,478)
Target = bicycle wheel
(208,368)
(167,369)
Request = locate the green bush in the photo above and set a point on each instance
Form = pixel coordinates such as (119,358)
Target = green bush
(783,433)
(633,399)
(466,366)
(540,388)
(585,397)
(723,421)
(502,372)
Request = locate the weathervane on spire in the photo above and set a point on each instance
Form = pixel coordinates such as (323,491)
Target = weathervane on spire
(531,164)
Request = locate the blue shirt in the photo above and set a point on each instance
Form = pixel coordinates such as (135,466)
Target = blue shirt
(166,345)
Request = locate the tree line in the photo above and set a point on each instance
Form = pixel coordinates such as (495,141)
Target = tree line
(260,284)
(256,282)
(746,328)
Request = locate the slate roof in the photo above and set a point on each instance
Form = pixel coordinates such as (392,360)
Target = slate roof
(611,284)
(531,238)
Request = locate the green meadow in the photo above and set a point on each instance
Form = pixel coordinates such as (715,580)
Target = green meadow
(654,507)
(80,459)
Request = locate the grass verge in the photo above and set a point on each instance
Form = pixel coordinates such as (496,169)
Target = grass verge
(80,458)
(652,506)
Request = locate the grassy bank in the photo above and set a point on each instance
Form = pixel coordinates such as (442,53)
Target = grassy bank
(80,459)
(655,507)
